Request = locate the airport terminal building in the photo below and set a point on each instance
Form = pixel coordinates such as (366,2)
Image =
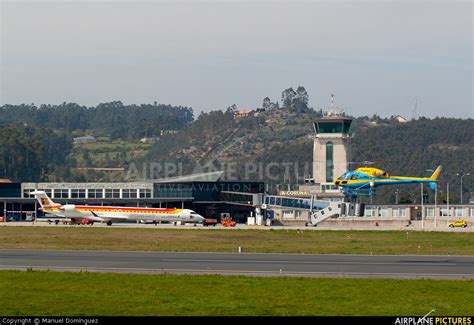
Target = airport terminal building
(210,197)
(204,193)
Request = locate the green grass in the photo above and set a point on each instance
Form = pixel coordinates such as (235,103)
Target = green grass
(256,241)
(64,293)
(102,152)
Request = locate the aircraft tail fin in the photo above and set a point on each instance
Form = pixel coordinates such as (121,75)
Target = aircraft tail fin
(44,200)
(436,173)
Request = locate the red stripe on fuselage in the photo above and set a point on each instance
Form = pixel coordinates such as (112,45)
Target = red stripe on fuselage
(125,209)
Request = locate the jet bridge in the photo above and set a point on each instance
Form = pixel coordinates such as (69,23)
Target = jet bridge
(320,210)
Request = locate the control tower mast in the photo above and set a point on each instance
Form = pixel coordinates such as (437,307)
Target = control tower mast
(332,145)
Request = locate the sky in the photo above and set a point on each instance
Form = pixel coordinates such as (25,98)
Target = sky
(412,58)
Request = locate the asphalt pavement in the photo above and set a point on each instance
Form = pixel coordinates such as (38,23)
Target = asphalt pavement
(308,265)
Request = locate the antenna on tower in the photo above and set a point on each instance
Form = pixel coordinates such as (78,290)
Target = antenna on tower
(333,111)
(413,114)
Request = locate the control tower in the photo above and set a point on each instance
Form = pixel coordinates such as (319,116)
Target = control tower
(332,145)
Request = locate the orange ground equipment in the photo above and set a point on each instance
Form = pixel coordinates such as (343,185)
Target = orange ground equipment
(227,222)
(209,222)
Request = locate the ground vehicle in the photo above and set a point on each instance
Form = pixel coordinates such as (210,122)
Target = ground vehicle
(459,223)
(86,222)
(209,222)
(228,222)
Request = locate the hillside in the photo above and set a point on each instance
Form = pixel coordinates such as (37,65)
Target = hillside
(274,146)
(245,147)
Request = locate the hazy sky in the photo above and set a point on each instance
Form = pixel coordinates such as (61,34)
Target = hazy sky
(375,56)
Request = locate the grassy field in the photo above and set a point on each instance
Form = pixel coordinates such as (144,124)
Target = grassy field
(257,241)
(64,293)
(103,152)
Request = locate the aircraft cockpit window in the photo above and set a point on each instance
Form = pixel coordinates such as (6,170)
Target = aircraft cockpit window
(354,176)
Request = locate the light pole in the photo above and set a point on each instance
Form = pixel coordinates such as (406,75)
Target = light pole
(447,201)
(435,212)
(436,194)
(466,174)
(422,209)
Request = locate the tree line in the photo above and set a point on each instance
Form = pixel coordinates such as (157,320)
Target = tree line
(114,119)
(29,153)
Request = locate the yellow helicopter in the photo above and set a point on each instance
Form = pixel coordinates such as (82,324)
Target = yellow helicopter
(363,180)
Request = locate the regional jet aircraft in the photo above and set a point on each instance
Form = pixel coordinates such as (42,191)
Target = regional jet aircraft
(92,213)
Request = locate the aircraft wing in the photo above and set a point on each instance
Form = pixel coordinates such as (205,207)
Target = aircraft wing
(96,217)
(52,219)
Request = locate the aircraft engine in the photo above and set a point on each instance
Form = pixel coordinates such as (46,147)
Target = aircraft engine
(68,207)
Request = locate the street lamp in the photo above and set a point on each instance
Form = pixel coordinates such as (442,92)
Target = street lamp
(435,198)
(466,174)
(447,201)
(422,209)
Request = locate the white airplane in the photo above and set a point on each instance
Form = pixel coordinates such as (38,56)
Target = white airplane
(92,213)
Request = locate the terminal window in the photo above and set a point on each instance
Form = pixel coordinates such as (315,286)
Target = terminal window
(76,193)
(61,194)
(430,212)
(144,193)
(129,193)
(95,194)
(112,194)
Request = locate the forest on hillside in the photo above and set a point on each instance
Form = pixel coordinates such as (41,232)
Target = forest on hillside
(37,142)
(113,119)
(29,153)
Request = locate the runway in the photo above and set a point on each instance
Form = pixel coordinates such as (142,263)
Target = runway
(308,265)
(416,226)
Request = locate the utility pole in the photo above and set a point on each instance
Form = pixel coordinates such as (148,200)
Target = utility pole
(422,209)
(447,201)
(435,212)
